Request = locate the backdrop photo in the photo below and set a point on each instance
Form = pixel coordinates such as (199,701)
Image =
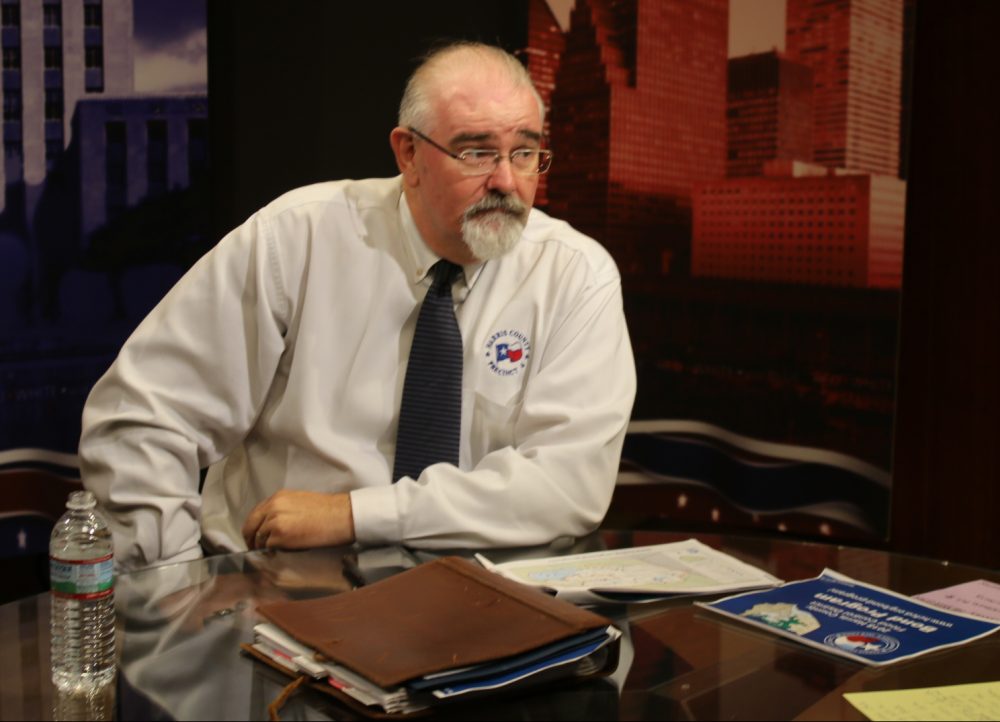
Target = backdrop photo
(744,161)
(105,204)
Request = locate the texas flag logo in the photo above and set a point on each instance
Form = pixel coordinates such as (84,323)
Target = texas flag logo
(509,352)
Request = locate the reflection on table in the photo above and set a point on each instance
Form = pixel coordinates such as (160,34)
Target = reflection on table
(180,627)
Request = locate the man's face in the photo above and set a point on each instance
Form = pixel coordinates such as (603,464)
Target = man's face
(467,217)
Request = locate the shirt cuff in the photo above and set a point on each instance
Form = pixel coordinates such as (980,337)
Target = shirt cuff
(376,515)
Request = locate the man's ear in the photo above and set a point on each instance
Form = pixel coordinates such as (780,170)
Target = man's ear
(403,148)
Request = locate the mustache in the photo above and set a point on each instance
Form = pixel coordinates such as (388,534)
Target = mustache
(497,202)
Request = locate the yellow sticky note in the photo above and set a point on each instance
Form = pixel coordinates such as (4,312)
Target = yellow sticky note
(956,702)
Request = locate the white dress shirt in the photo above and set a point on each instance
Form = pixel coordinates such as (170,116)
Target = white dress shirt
(279,359)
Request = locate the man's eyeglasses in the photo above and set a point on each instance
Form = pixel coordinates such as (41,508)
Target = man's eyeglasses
(482,161)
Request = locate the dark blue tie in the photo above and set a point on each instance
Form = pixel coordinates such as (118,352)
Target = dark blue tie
(430,414)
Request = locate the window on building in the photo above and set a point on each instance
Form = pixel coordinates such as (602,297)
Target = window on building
(93,76)
(92,15)
(10,15)
(53,149)
(52,15)
(115,150)
(53,57)
(197,149)
(94,80)
(53,104)
(93,56)
(156,156)
(12,58)
(12,104)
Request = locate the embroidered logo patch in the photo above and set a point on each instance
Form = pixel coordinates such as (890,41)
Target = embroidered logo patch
(507,352)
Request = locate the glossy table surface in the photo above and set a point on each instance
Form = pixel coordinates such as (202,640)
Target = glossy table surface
(180,627)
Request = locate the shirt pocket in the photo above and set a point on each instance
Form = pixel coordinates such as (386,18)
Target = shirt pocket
(493,422)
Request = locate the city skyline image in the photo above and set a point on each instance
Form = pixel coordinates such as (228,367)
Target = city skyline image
(105,193)
(801,113)
(743,163)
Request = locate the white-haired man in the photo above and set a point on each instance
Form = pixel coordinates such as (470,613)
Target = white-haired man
(279,359)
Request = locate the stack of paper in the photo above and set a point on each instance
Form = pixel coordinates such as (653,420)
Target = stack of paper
(441,630)
(636,574)
(300,659)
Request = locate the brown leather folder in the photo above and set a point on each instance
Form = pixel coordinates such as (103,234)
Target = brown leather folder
(441,615)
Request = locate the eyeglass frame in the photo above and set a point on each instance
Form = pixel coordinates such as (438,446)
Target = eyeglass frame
(544,157)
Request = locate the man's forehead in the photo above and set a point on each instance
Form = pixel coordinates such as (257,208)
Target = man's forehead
(485,111)
(480,89)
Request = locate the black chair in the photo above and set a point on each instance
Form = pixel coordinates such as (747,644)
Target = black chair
(35,485)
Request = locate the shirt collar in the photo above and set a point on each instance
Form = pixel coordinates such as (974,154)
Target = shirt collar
(422,258)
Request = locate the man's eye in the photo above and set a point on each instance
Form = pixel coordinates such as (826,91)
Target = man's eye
(479,154)
(524,153)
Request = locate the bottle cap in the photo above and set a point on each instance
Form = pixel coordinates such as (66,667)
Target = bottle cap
(81,500)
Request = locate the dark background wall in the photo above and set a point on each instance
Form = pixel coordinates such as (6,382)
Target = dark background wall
(946,480)
(293,88)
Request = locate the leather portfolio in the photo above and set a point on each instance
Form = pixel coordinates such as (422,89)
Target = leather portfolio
(444,615)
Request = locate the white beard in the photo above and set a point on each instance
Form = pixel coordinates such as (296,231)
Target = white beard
(493,226)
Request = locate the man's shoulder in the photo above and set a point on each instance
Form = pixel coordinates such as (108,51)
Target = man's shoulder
(545,233)
(358,195)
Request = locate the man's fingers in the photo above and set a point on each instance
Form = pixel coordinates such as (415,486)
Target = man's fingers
(252,525)
(260,539)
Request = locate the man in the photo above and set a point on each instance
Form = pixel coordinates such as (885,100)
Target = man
(279,359)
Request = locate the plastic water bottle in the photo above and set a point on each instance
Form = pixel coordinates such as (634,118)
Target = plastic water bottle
(81,569)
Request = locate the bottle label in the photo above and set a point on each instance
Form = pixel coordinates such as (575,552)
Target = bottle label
(82,578)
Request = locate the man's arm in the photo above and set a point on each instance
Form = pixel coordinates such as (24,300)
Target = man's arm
(184,390)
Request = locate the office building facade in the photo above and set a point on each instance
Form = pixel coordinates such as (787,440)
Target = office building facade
(128,150)
(55,54)
(638,118)
(855,50)
(541,57)
(769,113)
(801,224)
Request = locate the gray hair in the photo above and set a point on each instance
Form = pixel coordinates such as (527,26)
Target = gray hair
(415,106)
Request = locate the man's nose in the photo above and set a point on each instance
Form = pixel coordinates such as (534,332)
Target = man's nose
(501,178)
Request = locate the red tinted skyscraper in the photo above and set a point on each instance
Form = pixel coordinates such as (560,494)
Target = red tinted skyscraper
(638,118)
(770,113)
(799,225)
(541,57)
(854,48)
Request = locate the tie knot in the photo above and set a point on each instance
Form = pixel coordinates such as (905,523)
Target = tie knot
(445,273)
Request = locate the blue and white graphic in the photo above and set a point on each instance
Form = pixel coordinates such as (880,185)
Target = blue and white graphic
(864,643)
(859,621)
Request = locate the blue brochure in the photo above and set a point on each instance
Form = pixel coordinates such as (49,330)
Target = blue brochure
(859,621)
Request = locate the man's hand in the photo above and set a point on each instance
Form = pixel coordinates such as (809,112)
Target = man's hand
(300,520)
